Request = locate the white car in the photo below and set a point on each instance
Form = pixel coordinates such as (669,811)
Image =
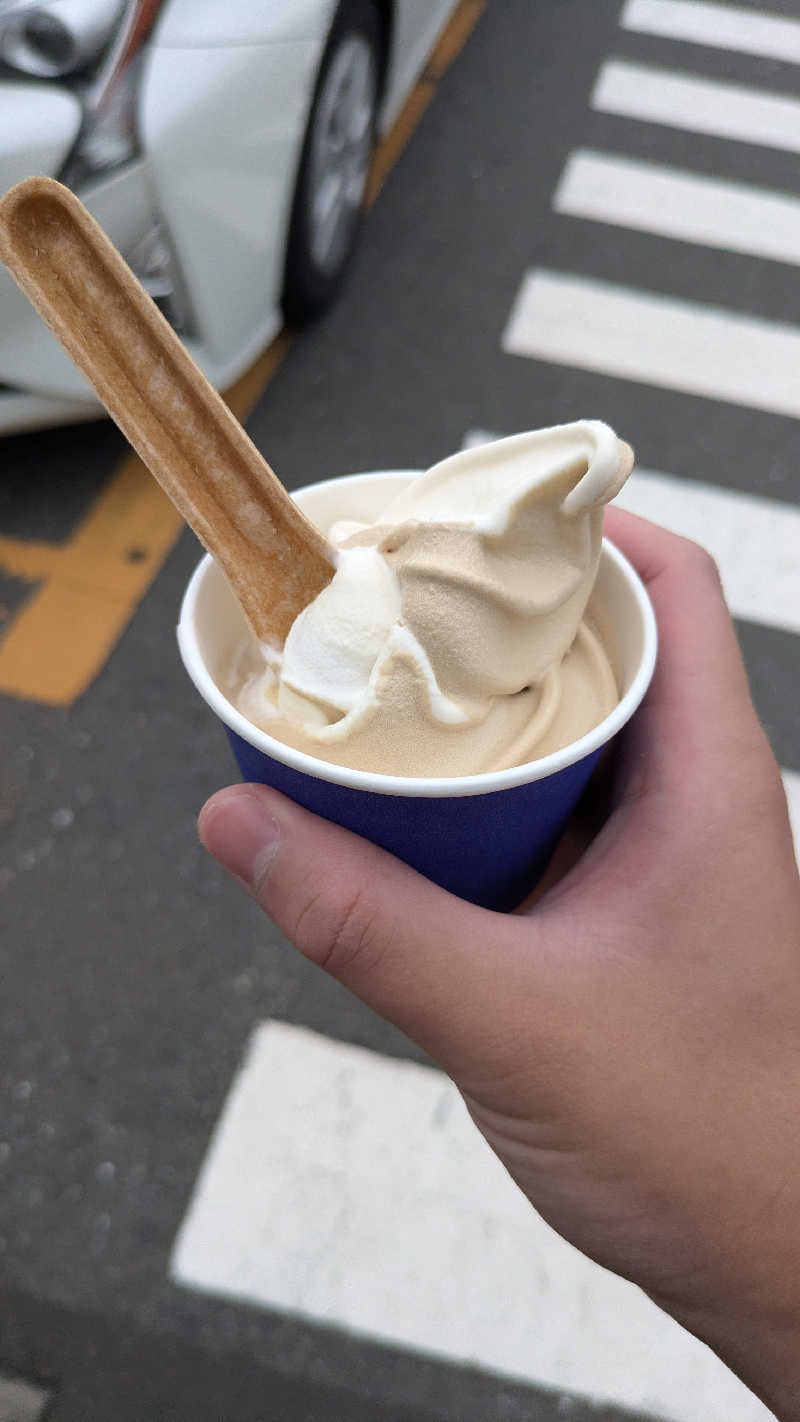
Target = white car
(222,144)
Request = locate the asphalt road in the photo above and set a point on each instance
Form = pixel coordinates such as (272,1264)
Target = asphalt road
(133,971)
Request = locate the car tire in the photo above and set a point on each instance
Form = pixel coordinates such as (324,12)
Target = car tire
(340,138)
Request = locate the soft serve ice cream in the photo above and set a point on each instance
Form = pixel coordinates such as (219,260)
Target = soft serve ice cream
(453,637)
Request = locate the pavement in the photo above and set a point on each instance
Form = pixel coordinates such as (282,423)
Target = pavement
(148,1010)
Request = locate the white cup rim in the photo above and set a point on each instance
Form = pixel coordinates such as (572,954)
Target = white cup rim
(433,787)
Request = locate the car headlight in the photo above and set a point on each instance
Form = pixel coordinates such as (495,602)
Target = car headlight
(96,47)
(108,135)
(57,38)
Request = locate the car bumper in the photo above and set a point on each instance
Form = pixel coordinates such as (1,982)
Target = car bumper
(31,360)
(20,410)
(221,224)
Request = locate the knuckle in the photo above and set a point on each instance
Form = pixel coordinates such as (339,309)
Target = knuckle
(341,937)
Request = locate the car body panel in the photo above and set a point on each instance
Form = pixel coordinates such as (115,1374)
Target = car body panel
(244,108)
(25,411)
(188,24)
(223,106)
(29,355)
(416,26)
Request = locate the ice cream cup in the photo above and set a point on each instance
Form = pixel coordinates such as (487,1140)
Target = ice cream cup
(484,837)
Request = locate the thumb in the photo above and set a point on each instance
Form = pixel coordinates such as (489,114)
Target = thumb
(425,960)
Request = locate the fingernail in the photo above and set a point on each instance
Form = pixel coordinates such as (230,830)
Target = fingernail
(238,829)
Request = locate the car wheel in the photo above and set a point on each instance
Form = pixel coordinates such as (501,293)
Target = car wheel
(340,137)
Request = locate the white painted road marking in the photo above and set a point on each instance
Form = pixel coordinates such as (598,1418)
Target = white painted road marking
(723,26)
(21,1401)
(755,541)
(686,346)
(353,1189)
(672,203)
(699,105)
(756,544)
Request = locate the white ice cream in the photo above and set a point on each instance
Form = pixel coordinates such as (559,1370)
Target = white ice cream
(451,638)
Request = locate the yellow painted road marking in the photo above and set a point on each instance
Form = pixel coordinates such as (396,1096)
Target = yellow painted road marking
(453,38)
(31,561)
(91,585)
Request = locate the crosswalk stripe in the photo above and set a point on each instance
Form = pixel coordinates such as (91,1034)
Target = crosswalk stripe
(739,530)
(756,542)
(21,1401)
(353,1189)
(723,26)
(685,346)
(682,101)
(672,203)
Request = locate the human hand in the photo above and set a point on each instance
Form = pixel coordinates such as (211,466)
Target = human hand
(629,1041)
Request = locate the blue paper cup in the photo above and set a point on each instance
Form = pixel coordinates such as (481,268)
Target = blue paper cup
(484,837)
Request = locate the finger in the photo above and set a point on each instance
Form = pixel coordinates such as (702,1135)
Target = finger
(698,708)
(425,960)
(695,730)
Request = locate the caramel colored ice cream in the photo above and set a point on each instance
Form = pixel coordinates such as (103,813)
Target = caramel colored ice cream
(452,638)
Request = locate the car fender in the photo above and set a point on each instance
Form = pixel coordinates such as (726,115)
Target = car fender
(416,25)
(222,128)
(188,24)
